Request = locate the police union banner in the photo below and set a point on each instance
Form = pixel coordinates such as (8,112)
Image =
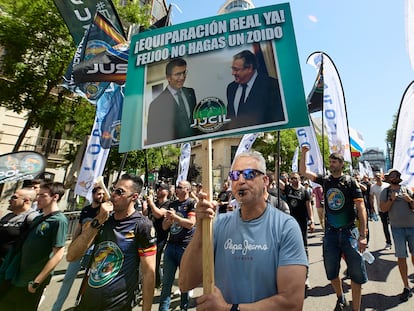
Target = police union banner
(226,75)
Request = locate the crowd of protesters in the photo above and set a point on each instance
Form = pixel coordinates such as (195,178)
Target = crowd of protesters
(132,243)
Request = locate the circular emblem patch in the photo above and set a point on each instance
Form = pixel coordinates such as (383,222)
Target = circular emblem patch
(209,115)
(108,262)
(336,199)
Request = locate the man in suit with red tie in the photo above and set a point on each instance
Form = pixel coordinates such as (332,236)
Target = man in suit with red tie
(253,98)
(171,113)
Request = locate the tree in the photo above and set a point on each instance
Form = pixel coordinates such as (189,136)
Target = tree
(390,139)
(37,50)
(267,145)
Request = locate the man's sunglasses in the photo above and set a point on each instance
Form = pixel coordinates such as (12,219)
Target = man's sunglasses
(14,197)
(248,174)
(118,191)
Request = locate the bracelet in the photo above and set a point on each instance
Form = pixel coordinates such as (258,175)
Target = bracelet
(235,307)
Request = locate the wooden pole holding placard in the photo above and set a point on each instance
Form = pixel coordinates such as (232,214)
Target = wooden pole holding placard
(207,239)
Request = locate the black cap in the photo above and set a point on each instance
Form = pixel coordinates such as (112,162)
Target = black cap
(163,186)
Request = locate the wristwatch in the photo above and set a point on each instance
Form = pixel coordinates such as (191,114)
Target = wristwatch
(95,224)
(34,284)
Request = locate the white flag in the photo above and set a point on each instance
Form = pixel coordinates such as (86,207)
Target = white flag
(409,29)
(403,159)
(93,164)
(184,162)
(306,136)
(295,160)
(246,143)
(368,170)
(361,169)
(334,111)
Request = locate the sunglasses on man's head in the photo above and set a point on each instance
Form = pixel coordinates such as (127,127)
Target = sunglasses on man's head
(248,174)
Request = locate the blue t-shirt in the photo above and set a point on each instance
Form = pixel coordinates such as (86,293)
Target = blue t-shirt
(248,253)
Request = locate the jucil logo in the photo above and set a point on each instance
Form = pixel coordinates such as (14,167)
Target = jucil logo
(209,115)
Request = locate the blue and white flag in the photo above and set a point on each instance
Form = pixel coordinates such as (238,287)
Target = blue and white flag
(403,159)
(184,164)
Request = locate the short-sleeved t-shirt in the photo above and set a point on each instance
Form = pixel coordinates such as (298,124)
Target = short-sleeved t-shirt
(340,194)
(11,226)
(178,234)
(247,254)
(296,199)
(400,214)
(162,234)
(113,272)
(38,246)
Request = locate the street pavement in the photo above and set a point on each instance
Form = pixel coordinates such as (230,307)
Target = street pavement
(380,293)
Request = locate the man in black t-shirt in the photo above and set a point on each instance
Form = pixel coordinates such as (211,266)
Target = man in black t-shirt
(156,211)
(125,240)
(180,220)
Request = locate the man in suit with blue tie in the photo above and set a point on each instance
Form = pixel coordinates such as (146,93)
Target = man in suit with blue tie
(171,113)
(253,98)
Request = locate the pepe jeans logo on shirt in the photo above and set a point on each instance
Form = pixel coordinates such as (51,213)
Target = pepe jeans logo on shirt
(244,247)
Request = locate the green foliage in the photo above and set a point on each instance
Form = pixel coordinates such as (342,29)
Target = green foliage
(267,145)
(37,50)
(390,139)
(133,13)
(166,157)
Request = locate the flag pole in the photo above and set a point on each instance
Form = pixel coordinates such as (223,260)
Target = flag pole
(207,224)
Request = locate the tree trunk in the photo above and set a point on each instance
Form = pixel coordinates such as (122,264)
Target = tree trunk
(22,135)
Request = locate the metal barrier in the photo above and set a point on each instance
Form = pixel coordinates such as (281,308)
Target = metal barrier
(73,220)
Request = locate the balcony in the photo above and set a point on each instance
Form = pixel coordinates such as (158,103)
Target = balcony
(53,149)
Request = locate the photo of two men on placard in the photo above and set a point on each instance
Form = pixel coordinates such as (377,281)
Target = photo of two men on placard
(227,92)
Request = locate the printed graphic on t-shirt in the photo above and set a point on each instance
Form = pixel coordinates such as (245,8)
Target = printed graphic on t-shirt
(108,262)
(336,199)
(176,228)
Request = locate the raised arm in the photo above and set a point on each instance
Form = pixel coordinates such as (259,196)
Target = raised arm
(80,245)
(302,164)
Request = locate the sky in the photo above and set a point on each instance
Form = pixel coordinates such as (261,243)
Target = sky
(365,39)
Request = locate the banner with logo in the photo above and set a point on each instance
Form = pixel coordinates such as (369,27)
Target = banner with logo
(403,156)
(110,116)
(100,37)
(211,82)
(184,164)
(78,15)
(334,110)
(21,165)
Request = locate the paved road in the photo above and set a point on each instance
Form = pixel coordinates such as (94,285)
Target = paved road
(380,293)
